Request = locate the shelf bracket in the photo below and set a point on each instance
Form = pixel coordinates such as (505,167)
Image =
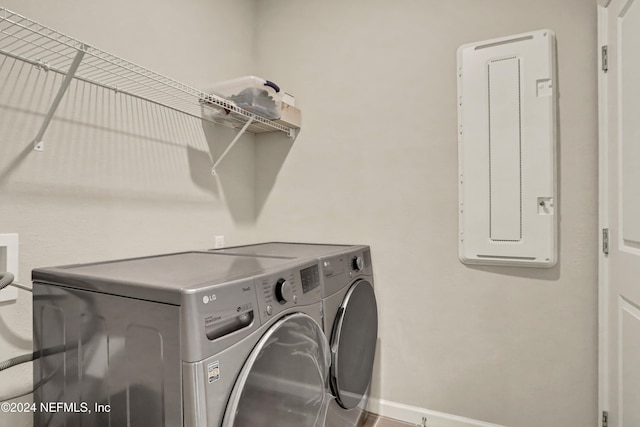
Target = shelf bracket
(38,143)
(230,146)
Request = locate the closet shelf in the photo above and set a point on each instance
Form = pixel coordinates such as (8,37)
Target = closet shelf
(51,51)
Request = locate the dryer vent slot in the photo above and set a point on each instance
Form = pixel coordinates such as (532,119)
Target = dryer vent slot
(220,328)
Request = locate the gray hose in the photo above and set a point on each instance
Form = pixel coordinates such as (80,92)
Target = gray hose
(31,356)
(16,361)
(5,280)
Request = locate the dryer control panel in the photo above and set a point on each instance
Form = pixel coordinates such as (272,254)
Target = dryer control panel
(340,269)
(280,291)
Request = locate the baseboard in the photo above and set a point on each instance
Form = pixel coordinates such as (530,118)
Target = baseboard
(413,415)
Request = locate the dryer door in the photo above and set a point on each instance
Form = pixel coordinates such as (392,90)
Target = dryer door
(353,345)
(283,381)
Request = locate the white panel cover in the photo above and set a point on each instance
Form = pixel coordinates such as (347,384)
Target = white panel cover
(506,150)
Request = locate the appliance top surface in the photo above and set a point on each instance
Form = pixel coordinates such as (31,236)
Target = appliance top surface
(283,249)
(156,277)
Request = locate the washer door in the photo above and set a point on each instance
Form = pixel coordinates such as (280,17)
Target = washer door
(353,345)
(283,381)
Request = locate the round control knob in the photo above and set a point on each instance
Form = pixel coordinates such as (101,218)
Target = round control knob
(357,263)
(284,291)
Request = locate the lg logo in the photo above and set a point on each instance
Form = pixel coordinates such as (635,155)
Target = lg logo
(207,298)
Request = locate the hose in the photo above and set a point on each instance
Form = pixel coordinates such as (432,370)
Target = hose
(5,280)
(16,361)
(31,356)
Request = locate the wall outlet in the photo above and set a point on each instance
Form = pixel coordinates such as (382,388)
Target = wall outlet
(9,262)
(219,243)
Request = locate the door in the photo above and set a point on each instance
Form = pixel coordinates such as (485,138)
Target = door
(353,345)
(283,380)
(619,30)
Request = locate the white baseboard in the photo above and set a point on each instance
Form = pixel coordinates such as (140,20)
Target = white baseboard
(413,415)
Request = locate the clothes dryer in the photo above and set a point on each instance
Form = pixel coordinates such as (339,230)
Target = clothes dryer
(350,319)
(188,339)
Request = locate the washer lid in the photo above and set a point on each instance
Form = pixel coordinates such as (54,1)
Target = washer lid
(353,345)
(283,381)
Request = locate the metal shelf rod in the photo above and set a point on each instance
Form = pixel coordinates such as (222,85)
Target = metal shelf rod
(38,144)
(230,146)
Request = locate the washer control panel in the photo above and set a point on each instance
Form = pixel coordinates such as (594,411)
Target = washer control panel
(284,291)
(357,263)
(280,291)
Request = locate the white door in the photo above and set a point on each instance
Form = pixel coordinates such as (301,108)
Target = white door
(619,25)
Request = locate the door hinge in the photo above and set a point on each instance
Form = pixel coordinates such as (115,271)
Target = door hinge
(604,53)
(605,419)
(605,241)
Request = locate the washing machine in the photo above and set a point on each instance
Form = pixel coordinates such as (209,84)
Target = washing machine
(193,339)
(350,319)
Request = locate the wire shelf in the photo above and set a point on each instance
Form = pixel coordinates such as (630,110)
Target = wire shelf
(49,50)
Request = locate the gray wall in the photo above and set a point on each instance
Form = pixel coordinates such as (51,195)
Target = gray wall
(376,163)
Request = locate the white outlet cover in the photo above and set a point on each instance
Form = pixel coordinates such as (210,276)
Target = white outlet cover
(10,243)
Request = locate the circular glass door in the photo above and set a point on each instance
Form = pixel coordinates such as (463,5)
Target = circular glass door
(283,382)
(353,345)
